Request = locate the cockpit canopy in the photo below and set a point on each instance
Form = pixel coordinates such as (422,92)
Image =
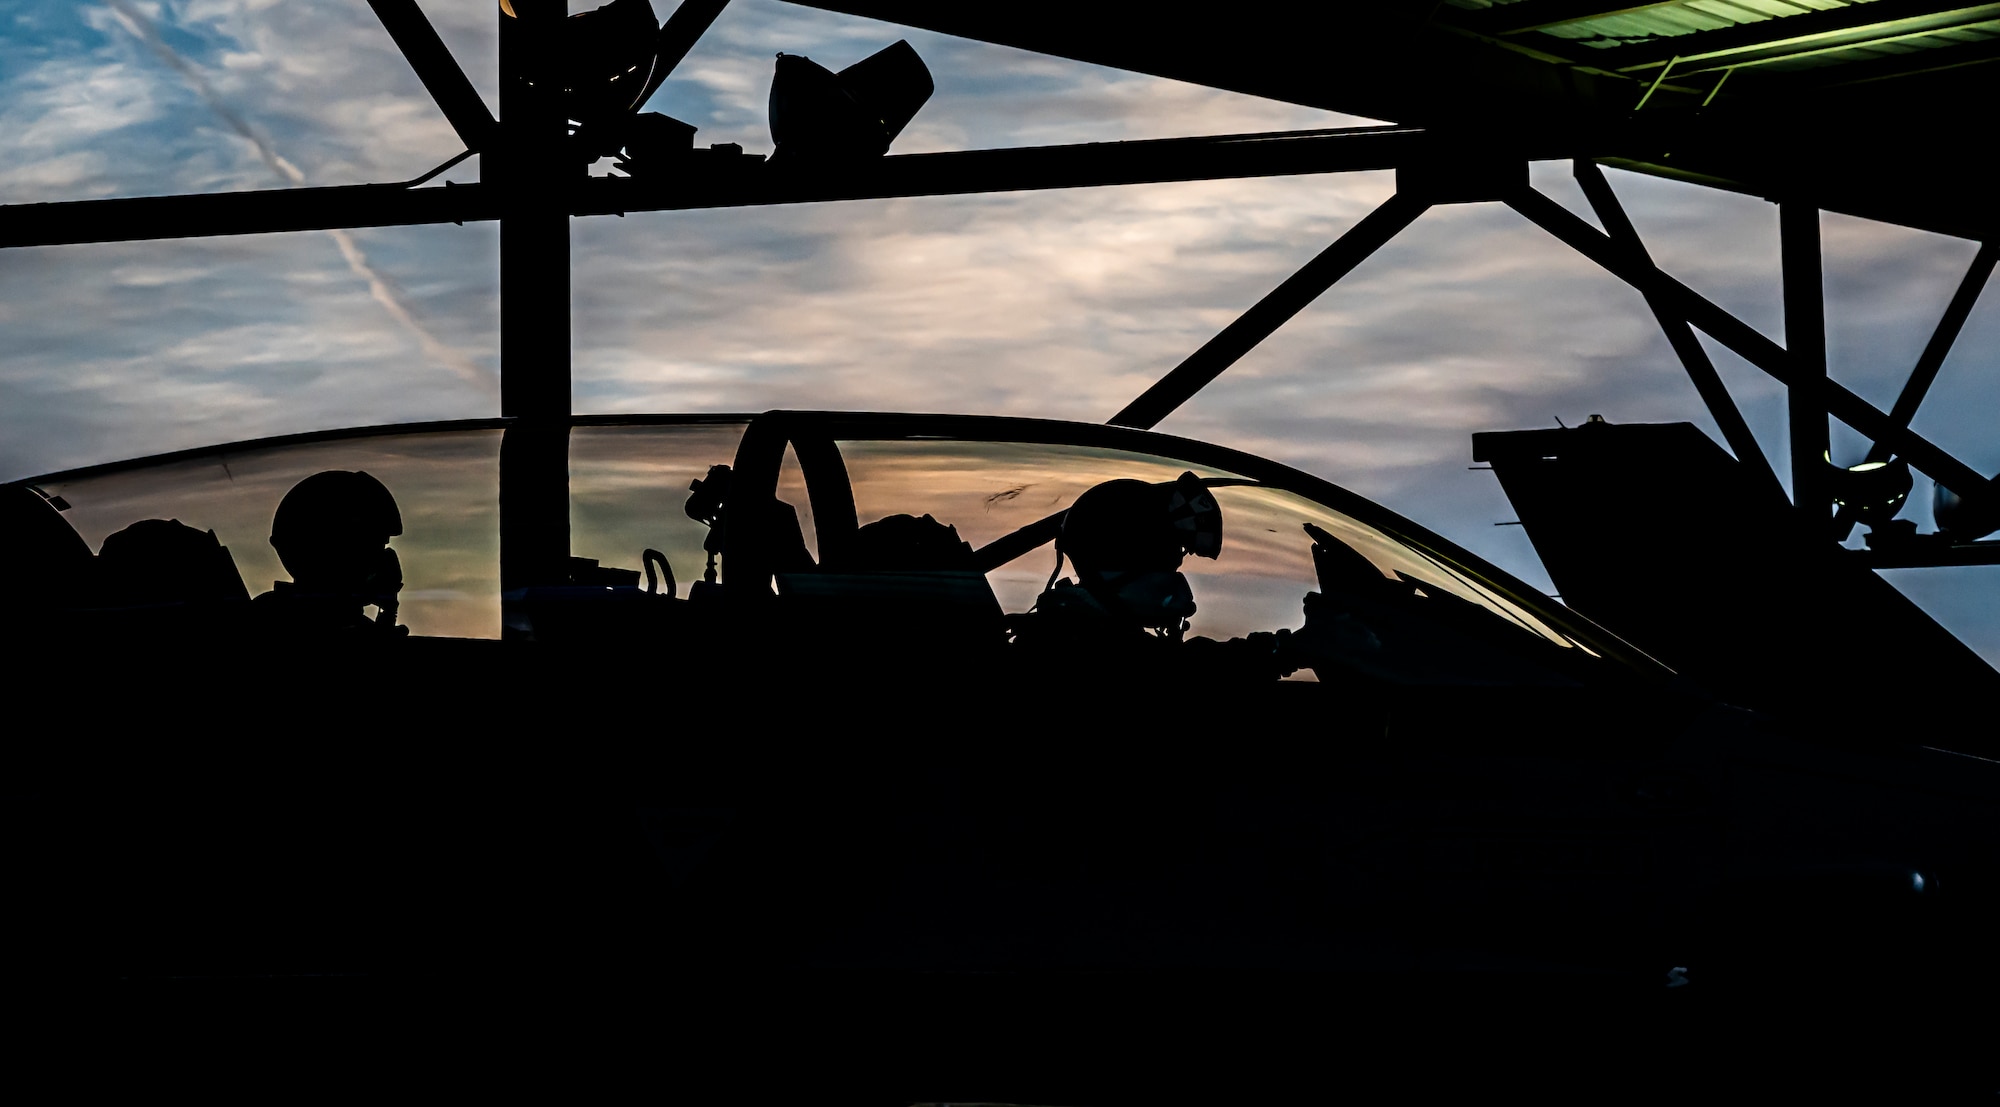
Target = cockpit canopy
(1000,486)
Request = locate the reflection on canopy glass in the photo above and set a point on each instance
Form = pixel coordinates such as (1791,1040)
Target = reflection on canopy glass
(1258,583)
(629,486)
(446,484)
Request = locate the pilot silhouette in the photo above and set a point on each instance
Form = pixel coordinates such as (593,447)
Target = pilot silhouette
(332,533)
(1130,603)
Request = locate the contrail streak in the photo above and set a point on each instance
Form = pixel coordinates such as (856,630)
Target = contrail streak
(380,288)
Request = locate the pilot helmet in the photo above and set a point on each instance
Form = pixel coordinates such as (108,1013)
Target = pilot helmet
(330,528)
(1127,539)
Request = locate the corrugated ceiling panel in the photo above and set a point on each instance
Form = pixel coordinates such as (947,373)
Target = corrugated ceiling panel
(1692,17)
(1725,10)
(1956,36)
(1616,30)
(1775,9)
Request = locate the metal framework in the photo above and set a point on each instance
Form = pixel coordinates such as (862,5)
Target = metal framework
(532,188)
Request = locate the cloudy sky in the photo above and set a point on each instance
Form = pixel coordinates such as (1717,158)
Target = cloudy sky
(1059,304)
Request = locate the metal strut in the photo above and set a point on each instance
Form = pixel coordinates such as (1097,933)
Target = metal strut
(1271,312)
(1707,382)
(533,176)
(1745,340)
(1805,355)
(1932,359)
(1929,362)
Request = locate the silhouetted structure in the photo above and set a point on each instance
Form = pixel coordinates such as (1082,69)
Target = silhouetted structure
(1486,787)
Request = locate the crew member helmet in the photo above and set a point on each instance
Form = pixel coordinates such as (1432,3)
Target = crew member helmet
(329,527)
(1130,526)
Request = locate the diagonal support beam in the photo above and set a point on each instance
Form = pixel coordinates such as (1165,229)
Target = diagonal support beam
(1929,362)
(677,36)
(446,82)
(1707,382)
(1744,339)
(1270,313)
(1932,359)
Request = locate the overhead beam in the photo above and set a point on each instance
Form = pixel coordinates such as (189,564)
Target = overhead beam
(264,211)
(1031,168)
(438,70)
(1502,20)
(1791,35)
(1700,369)
(1376,60)
(1915,63)
(1273,311)
(1745,340)
(721,181)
